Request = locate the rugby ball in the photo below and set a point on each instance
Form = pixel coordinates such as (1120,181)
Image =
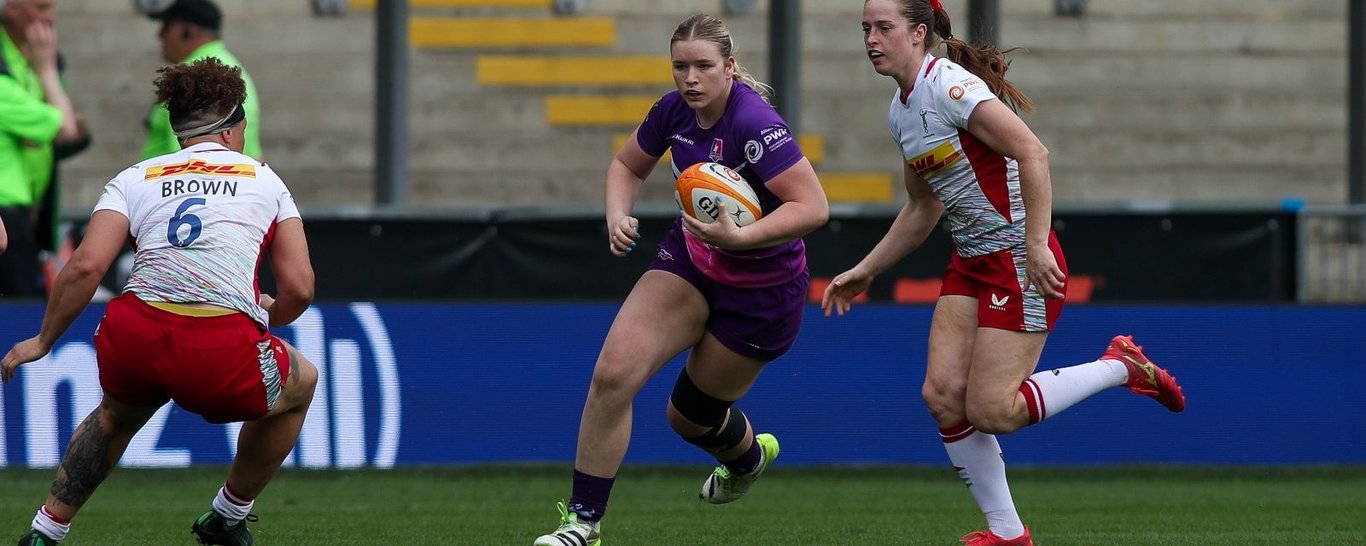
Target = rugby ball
(698,188)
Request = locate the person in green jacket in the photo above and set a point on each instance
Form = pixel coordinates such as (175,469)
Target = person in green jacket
(35,114)
(190,31)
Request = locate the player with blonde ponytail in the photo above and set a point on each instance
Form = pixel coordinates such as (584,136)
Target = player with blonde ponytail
(731,297)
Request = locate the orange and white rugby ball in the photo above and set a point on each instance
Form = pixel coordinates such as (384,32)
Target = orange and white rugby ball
(698,188)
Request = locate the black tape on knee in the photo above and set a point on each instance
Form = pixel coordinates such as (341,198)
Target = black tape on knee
(724,438)
(697,406)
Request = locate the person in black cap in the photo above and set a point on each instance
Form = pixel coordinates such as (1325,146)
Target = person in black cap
(190,30)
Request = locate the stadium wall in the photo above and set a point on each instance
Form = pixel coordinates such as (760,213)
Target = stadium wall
(438,384)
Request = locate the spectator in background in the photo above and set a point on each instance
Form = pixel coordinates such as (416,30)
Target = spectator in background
(50,234)
(190,30)
(191,325)
(35,114)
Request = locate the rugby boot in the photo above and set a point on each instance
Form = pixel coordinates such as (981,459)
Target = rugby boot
(724,486)
(1146,378)
(988,538)
(214,529)
(36,538)
(571,531)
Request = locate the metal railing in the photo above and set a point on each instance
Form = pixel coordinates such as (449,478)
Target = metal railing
(1332,254)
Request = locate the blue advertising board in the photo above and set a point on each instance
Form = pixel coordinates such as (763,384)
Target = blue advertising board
(424,384)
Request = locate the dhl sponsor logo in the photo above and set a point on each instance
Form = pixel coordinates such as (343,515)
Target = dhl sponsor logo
(941,157)
(197,166)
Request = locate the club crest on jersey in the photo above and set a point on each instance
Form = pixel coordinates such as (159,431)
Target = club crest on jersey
(716,147)
(932,162)
(197,166)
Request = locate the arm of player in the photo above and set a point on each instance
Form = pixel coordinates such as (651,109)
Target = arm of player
(997,126)
(909,230)
(4,238)
(625,175)
(293,273)
(75,285)
(804,209)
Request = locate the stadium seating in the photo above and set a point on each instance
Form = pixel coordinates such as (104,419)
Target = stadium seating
(1138,99)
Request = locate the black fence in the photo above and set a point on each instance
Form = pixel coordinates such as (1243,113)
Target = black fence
(517,254)
(1118,255)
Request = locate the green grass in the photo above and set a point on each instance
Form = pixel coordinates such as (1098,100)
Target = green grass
(658,506)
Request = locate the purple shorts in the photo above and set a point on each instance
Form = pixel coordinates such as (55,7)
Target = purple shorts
(759,323)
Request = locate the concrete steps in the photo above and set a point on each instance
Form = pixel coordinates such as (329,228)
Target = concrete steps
(1223,184)
(462,4)
(1157,9)
(1148,99)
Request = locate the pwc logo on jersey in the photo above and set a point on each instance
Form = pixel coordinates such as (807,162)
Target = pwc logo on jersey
(956,92)
(773,138)
(197,166)
(936,160)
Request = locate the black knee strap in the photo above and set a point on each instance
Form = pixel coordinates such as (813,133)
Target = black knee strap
(724,438)
(697,406)
(708,411)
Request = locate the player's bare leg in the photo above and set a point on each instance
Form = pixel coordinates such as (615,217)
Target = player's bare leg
(975,454)
(641,340)
(262,446)
(264,443)
(701,411)
(94,451)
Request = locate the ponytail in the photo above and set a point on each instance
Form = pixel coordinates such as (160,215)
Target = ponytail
(984,61)
(743,76)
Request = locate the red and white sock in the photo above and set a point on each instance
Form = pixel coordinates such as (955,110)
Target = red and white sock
(231,505)
(53,527)
(977,458)
(1049,392)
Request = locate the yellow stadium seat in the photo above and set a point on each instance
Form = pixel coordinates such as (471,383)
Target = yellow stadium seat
(547,4)
(598,110)
(866,187)
(550,71)
(510,32)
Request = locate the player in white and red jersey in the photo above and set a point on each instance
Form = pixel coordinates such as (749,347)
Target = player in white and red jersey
(969,157)
(191,325)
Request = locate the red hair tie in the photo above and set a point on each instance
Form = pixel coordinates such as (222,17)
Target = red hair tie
(935,6)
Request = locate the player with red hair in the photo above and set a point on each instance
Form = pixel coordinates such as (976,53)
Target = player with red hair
(969,157)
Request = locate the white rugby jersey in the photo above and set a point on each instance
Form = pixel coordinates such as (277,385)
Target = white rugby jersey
(980,188)
(200,219)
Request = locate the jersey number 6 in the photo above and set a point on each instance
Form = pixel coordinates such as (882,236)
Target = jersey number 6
(181,219)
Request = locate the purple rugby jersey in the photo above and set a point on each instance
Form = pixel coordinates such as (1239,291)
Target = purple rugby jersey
(750,138)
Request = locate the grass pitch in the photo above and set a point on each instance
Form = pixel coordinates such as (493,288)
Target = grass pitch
(658,506)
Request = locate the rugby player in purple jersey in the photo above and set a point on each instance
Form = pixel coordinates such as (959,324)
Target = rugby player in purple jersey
(732,297)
